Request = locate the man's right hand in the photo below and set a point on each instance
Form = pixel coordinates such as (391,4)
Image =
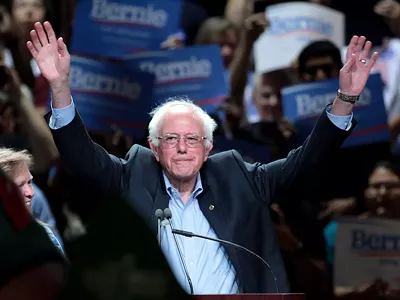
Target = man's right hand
(53,59)
(50,54)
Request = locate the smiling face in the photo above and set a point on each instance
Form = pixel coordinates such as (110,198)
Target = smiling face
(182,161)
(22,178)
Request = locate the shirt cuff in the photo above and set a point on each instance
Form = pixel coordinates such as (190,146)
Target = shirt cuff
(342,122)
(61,117)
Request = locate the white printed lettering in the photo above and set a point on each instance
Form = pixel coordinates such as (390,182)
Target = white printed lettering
(92,82)
(178,70)
(104,10)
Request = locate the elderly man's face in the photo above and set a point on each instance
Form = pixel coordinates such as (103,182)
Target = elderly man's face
(183,160)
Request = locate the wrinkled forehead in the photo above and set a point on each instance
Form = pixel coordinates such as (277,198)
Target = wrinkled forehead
(181,122)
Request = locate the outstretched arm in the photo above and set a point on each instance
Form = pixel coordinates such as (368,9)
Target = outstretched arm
(78,153)
(307,162)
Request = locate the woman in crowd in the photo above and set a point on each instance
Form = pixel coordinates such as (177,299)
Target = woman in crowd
(382,200)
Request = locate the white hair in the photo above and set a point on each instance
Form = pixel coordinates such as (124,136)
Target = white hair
(177,103)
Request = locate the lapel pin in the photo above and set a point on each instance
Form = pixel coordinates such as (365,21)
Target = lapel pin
(211,207)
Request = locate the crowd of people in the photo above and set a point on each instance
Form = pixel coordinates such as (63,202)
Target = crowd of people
(51,165)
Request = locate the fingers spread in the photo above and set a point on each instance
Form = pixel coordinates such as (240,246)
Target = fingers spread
(35,40)
(350,48)
(41,34)
(62,48)
(359,47)
(372,60)
(31,49)
(349,64)
(367,49)
(50,33)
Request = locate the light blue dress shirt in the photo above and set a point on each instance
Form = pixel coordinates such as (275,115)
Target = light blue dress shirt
(40,207)
(208,265)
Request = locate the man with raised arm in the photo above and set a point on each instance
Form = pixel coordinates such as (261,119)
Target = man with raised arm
(217,196)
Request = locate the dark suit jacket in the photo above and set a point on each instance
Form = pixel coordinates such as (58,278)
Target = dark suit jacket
(240,192)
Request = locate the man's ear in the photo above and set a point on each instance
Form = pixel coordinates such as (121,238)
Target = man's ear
(154,149)
(208,150)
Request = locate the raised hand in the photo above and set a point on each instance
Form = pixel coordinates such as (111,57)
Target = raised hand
(354,74)
(50,54)
(255,25)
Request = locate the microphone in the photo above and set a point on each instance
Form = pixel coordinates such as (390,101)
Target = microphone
(191,234)
(168,216)
(160,216)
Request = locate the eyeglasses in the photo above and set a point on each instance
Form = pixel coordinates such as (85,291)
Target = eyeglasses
(191,140)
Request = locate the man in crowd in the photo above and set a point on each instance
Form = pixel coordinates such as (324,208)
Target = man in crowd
(218,196)
(32,268)
(17,164)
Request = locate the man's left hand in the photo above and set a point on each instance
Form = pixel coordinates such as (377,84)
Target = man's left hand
(354,74)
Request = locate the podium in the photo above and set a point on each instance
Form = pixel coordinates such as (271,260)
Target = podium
(252,297)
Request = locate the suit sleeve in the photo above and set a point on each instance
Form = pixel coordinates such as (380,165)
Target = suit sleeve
(86,160)
(301,169)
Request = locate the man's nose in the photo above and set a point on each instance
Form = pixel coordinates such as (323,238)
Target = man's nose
(28,191)
(182,147)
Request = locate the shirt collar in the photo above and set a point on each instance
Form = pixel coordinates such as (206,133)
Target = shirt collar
(198,188)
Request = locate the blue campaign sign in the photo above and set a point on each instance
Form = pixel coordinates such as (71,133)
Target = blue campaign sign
(304,103)
(250,152)
(115,28)
(193,72)
(108,94)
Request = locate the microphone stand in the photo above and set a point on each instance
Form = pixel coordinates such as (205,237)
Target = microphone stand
(191,234)
(168,216)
